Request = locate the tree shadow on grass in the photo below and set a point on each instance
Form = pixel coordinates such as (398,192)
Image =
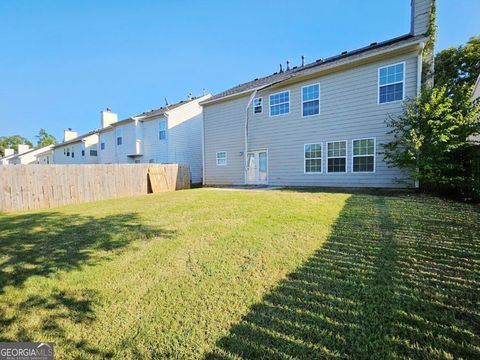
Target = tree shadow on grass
(398,277)
(42,244)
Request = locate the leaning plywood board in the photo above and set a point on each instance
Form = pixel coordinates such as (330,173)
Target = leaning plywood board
(159,180)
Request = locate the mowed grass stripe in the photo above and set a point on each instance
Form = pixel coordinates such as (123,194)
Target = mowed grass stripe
(202,258)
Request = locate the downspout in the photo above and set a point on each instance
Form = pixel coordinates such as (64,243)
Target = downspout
(246,135)
(203,147)
(420,67)
(419,83)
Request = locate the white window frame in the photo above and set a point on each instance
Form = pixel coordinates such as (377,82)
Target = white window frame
(261,105)
(337,157)
(374,156)
(302,102)
(166,130)
(216,158)
(287,102)
(305,160)
(397,82)
(118,135)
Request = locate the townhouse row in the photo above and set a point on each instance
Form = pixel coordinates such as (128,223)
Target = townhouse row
(170,134)
(316,124)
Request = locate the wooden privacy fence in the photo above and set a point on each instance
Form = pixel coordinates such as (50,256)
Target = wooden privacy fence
(27,187)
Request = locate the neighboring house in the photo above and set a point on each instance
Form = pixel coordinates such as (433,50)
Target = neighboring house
(76,149)
(317,124)
(45,157)
(8,154)
(475,97)
(476,89)
(27,156)
(171,134)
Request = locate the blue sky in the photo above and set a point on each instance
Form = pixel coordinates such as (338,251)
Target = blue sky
(61,62)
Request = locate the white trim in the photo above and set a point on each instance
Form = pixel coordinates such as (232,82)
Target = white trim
(337,157)
(216,158)
(305,159)
(396,82)
(374,156)
(257,159)
(302,102)
(420,68)
(203,148)
(270,106)
(328,66)
(166,129)
(261,105)
(118,135)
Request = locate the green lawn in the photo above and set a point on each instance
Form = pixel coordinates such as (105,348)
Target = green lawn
(227,274)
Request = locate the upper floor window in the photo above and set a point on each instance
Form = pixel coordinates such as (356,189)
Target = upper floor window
(391,81)
(118,133)
(221,158)
(93,152)
(102,146)
(68,151)
(257,105)
(363,155)
(311,100)
(337,157)
(162,135)
(280,103)
(313,158)
(83,152)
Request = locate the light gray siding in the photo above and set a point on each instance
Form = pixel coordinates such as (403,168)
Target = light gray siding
(349,110)
(420,16)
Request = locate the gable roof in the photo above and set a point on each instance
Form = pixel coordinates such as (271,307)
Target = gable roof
(318,65)
(77,138)
(39,150)
(146,115)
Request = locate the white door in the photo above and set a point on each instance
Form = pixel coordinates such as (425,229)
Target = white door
(257,167)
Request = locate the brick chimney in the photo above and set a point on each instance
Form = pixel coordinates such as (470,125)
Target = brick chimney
(69,134)
(107,117)
(420,16)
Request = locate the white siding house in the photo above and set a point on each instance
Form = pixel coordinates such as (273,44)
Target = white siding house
(172,134)
(45,157)
(26,155)
(77,149)
(318,124)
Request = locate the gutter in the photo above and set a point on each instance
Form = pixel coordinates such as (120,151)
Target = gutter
(419,83)
(420,67)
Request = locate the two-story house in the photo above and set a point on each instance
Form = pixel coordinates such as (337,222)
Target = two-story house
(171,134)
(76,149)
(24,156)
(317,124)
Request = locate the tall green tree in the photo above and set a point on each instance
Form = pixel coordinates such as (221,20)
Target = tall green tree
(432,135)
(458,68)
(45,139)
(431,140)
(12,142)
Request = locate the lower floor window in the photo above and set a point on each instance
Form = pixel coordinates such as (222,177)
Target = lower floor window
(363,155)
(337,157)
(221,158)
(313,158)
